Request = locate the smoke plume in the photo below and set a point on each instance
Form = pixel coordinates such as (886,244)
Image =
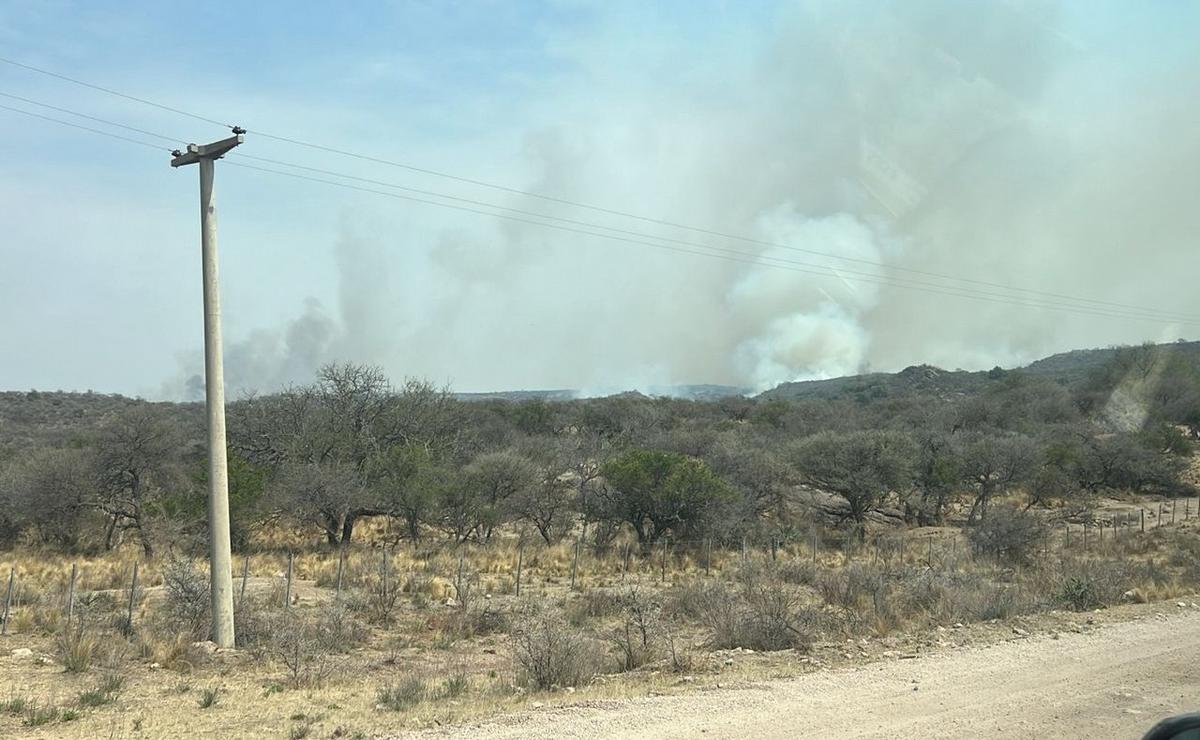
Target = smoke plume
(990,141)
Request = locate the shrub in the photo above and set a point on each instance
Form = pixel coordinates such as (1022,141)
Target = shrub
(103,693)
(595,604)
(1091,584)
(14,704)
(404,694)
(77,650)
(638,635)
(187,604)
(38,714)
(550,653)
(853,589)
(376,601)
(455,685)
(209,697)
(1009,535)
(297,643)
(954,597)
(761,615)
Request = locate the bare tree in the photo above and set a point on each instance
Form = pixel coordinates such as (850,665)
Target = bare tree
(138,460)
(550,495)
(338,431)
(50,493)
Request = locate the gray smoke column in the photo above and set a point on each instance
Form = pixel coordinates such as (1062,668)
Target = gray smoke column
(987,140)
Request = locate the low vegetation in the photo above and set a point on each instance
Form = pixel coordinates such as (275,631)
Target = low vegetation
(449,558)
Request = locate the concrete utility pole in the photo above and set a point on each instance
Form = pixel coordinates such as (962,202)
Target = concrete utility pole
(220,565)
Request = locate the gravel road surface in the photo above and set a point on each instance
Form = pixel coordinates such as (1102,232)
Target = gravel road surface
(1113,682)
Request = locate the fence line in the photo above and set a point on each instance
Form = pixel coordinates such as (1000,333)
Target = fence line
(694,555)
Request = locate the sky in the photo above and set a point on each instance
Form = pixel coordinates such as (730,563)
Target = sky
(870,184)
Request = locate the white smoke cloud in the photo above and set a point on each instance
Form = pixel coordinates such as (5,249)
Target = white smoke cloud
(962,138)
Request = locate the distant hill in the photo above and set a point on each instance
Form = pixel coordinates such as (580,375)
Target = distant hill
(1066,368)
(55,418)
(700,392)
(918,379)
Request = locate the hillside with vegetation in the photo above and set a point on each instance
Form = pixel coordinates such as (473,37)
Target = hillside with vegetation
(420,558)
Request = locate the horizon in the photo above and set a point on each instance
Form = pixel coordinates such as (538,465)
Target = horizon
(652,392)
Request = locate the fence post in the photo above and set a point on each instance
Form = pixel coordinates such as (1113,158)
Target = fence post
(458,578)
(814,545)
(132,596)
(245,577)
(1143,511)
(1159,520)
(1085,547)
(707,555)
(71,593)
(575,565)
(520,563)
(663,573)
(930,558)
(340,571)
(774,554)
(287,593)
(12,574)
(743,548)
(625,567)
(1173,502)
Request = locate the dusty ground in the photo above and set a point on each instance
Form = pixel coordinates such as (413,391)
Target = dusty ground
(1112,681)
(1109,673)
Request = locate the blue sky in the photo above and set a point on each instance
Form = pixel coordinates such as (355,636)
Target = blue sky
(750,118)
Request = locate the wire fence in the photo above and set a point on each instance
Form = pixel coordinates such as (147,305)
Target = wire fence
(578,564)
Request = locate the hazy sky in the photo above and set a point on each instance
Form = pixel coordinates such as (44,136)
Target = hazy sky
(1049,146)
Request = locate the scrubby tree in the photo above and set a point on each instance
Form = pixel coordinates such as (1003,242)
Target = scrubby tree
(138,462)
(403,476)
(864,468)
(551,495)
(50,493)
(494,479)
(658,492)
(759,476)
(336,430)
(936,476)
(994,463)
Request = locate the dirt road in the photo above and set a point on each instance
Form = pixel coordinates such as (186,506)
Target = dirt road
(1114,682)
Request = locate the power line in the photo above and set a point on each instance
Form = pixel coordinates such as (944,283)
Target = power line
(84,128)
(591,207)
(717,253)
(745,258)
(575,222)
(109,91)
(841,272)
(90,118)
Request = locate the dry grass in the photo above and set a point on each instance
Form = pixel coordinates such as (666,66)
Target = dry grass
(462,636)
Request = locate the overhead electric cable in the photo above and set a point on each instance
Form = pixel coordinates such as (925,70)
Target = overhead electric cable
(85,128)
(841,271)
(588,206)
(91,118)
(741,257)
(744,258)
(110,91)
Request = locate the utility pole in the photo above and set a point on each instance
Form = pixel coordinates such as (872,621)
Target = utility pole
(219,557)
